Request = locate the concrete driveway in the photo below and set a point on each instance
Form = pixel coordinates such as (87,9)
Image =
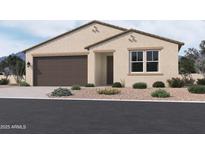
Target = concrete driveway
(25,92)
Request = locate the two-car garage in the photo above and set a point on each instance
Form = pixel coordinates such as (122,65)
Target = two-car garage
(60,71)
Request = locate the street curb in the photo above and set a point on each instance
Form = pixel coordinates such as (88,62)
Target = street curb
(115,100)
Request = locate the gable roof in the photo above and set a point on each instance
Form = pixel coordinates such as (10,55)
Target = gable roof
(136,31)
(73,30)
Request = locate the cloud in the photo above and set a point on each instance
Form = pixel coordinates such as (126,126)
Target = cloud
(189,32)
(42,29)
(8,45)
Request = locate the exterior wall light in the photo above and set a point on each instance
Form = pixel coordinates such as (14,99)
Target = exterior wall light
(28,64)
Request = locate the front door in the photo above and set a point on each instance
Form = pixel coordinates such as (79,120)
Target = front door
(109,70)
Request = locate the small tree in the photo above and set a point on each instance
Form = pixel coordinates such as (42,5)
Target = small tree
(4,69)
(202,46)
(6,72)
(186,67)
(198,57)
(13,65)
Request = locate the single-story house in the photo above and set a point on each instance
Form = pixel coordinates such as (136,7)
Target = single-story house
(102,53)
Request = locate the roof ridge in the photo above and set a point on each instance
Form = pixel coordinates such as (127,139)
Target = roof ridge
(110,25)
(75,29)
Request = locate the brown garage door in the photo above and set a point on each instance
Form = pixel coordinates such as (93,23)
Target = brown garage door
(60,71)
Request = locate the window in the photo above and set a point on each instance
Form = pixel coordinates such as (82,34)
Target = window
(136,61)
(152,61)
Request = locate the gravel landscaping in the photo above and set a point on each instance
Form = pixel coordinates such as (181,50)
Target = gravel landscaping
(181,94)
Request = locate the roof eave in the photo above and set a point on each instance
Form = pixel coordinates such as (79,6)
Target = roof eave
(137,31)
(73,30)
(105,40)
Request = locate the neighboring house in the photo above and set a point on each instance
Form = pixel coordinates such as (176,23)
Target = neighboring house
(101,53)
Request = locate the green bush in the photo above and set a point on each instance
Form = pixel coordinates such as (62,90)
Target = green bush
(108,91)
(139,85)
(176,83)
(61,92)
(90,85)
(197,89)
(158,84)
(117,85)
(201,81)
(4,81)
(24,84)
(75,87)
(160,93)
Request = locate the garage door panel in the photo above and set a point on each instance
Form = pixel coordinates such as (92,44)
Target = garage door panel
(60,71)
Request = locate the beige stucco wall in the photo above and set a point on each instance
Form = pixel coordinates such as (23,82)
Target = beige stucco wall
(168,57)
(72,44)
(195,76)
(101,68)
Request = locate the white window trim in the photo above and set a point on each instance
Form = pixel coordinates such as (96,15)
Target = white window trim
(144,62)
(130,61)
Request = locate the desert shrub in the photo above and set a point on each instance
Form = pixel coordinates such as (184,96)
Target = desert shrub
(75,87)
(108,91)
(158,84)
(117,85)
(175,82)
(197,89)
(4,81)
(201,81)
(139,85)
(160,93)
(24,84)
(90,85)
(188,81)
(61,92)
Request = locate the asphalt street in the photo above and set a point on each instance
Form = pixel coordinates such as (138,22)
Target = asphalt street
(100,117)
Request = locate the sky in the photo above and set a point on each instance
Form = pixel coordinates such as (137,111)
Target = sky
(15,36)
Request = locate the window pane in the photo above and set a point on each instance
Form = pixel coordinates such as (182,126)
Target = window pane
(152,66)
(137,67)
(140,56)
(155,55)
(134,56)
(149,55)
